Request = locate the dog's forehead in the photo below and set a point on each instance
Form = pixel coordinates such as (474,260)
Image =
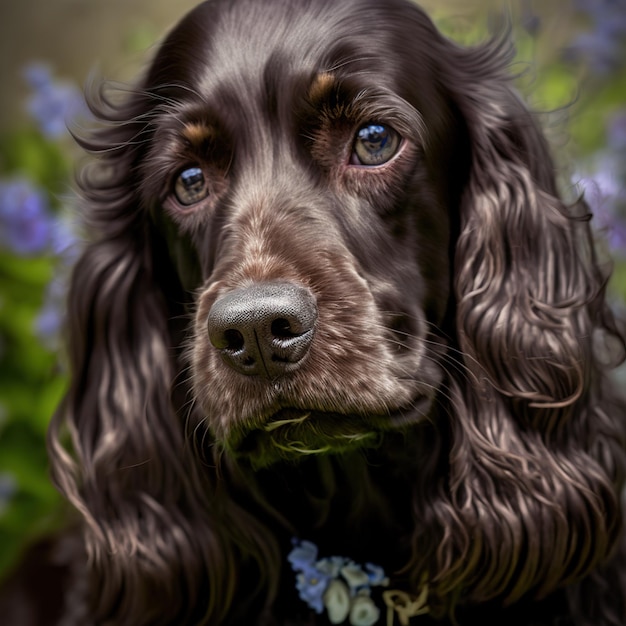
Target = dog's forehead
(247,37)
(241,38)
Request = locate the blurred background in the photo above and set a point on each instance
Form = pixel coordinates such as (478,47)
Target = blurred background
(572,69)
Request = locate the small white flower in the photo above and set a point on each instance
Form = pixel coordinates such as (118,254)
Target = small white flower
(364,612)
(337,601)
(354,576)
(330,566)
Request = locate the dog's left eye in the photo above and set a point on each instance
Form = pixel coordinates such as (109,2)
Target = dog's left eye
(191,186)
(375,144)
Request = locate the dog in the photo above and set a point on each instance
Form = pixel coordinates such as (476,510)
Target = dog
(340,351)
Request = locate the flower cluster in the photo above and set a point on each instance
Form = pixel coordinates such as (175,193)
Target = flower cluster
(37,243)
(602,46)
(25,218)
(31,223)
(336,584)
(29,227)
(52,103)
(603,181)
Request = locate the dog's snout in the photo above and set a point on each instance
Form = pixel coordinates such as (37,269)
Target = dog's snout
(265,329)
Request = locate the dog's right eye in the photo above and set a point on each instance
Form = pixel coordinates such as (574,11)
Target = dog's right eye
(375,144)
(191,186)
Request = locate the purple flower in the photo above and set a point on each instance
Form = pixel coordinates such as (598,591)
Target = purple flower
(603,45)
(303,555)
(604,11)
(311,585)
(8,487)
(25,222)
(50,320)
(602,53)
(48,324)
(616,131)
(604,195)
(65,245)
(53,104)
(311,582)
(331,582)
(531,22)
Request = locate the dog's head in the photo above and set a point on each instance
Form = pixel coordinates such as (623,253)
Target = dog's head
(313,184)
(315,224)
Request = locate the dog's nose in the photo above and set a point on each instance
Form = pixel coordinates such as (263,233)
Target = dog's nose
(265,329)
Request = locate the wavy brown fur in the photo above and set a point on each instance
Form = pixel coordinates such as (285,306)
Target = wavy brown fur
(465,283)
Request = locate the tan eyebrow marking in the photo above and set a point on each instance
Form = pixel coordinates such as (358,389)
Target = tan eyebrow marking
(197,134)
(321,85)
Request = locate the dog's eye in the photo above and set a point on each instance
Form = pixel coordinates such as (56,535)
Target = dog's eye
(191,186)
(375,144)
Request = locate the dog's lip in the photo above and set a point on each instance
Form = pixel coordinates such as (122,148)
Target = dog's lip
(308,431)
(296,431)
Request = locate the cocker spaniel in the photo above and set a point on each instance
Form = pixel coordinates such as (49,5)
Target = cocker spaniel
(339,349)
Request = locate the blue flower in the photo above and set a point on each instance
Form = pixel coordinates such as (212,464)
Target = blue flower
(48,324)
(311,585)
(322,583)
(604,194)
(603,45)
(25,222)
(65,247)
(616,132)
(601,52)
(65,244)
(8,487)
(311,582)
(303,555)
(53,104)
(50,320)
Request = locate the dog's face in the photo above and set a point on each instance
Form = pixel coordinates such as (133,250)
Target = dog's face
(295,154)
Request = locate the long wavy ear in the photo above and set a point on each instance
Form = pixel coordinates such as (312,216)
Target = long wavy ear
(537,461)
(161,540)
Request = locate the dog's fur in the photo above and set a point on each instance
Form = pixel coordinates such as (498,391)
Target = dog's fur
(450,418)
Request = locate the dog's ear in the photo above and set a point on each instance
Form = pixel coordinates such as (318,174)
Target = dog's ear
(529,290)
(536,463)
(117,445)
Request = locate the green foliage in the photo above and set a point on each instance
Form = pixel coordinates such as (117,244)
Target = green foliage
(31,381)
(30,389)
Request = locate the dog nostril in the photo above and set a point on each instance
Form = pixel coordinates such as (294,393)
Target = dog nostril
(281,329)
(402,329)
(228,339)
(233,339)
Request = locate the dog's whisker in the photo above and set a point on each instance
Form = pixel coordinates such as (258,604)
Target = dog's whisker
(300,448)
(274,424)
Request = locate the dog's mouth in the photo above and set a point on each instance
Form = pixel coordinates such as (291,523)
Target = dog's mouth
(294,433)
(291,434)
